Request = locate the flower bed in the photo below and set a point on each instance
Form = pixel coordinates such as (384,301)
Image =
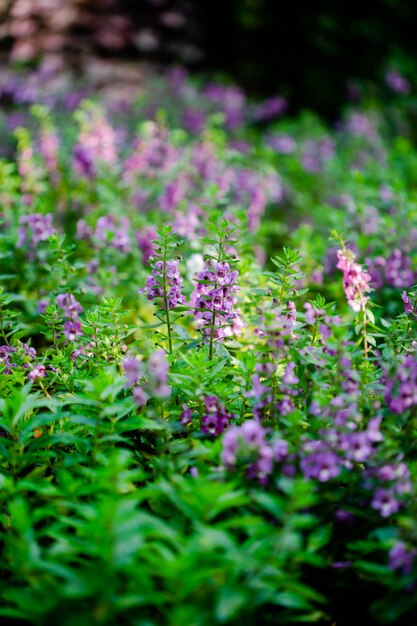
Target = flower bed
(208,361)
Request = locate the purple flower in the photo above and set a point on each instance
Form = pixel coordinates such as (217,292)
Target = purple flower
(373,431)
(284,144)
(144,240)
(321,465)
(132,370)
(344,517)
(139,396)
(39,371)
(341,564)
(280,450)
(270,109)
(83,162)
(49,148)
(153,154)
(252,433)
(289,378)
(262,394)
(5,352)
(193,120)
(69,305)
(398,272)
(174,192)
(186,415)
(384,502)
(264,464)
(96,143)
(72,329)
(397,82)
(214,300)
(216,419)
(33,229)
(356,446)
(316,154)
(230,448)
(72,308)
(109,232)
(401,385)
(401,558)
(248,443)
(158,372)
(394,271)
(408,307)
(41,306)
(171,296)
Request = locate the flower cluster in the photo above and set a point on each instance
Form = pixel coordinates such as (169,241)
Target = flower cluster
(174,192)
(269,109)
(33,229)
(261,391)
(215,419)
(283,144)
(13,356)
(288,388)
(144,239)
(152,154)
(71,308)
(356,281)
(214,301)
(316,154)
(276,328)
(109,232)
(409,305)
(164,284)
(394,271)
(39,371)
(389,482)
(397,82)
(402,558)
(318,317)
(401,385)
(96,142)
(147,380)
(248,445)
(5,358)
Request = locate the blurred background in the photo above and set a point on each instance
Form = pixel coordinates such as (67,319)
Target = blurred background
(312,52)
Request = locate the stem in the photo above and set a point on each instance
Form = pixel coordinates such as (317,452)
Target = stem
(213,320)
(166,303)
(281,295)
(365,342)
(44,389)
(116,327)
(213,316)
(54,336)
(3,334)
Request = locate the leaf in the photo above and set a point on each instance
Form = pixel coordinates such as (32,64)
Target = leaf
(291,600)
(230,603)
(270,503)
(319,538)
(370,316)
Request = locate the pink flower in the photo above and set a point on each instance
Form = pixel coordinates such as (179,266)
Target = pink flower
(39,371)
(356,281)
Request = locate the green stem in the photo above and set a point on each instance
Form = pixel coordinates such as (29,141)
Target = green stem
(213,317)
(3,334)
(365,341)
(166,303)
(116,328)
(211,344)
